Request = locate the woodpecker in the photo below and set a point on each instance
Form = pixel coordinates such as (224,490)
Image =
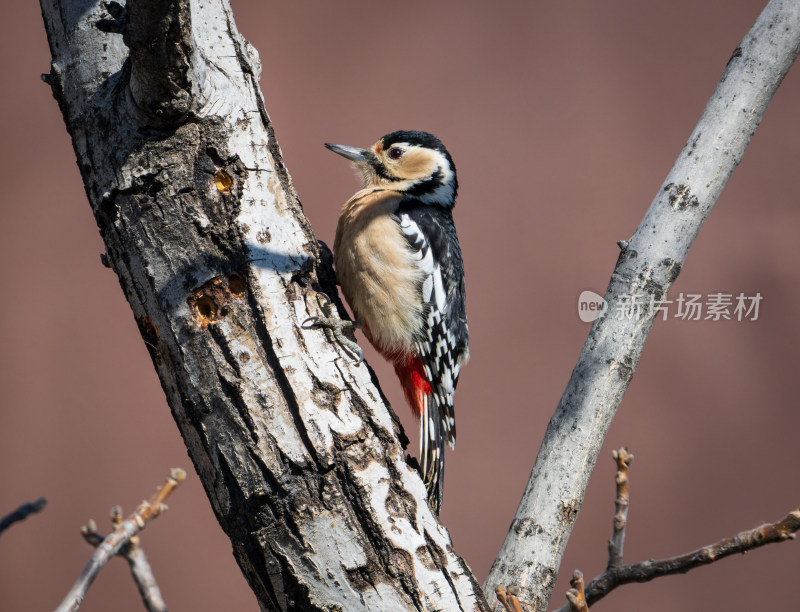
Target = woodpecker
(398,261)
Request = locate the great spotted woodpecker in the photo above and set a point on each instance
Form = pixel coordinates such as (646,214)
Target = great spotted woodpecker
(398,261)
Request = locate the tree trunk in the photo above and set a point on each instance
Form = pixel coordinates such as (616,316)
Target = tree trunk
(648,265)
(296,447)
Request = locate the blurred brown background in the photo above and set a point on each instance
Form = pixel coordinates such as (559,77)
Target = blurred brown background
(563,119)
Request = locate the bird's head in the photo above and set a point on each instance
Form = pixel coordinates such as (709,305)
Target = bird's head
(414,163)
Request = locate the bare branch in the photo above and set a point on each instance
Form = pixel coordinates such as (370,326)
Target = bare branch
(623,459)
(617,541)
(617,574)
(645,571)
(576,595)
(134,554)
(21,513)
(647,267)
(145,579)
(110,546)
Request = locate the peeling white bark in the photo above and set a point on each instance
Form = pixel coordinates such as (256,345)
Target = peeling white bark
(647,267)
(295,445)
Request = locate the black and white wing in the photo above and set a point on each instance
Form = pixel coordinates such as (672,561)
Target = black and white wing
(443,345)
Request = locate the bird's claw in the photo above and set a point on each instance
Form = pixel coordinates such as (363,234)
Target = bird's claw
(311,323)
(336,325)
(355,351)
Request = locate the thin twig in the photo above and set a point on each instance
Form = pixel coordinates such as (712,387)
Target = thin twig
(111,545)
(22,513)
(576,595)
(617,574)
(134,554)
(617,541)
(647,570)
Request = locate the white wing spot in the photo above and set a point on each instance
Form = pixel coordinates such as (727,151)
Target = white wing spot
(438,288)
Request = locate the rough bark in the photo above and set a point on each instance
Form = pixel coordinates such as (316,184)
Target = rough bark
(295,445)
(647,266)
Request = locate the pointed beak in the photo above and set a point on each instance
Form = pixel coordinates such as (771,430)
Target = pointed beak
(352,153)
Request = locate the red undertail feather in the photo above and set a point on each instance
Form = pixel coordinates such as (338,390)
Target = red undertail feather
(412,377)
(431,436)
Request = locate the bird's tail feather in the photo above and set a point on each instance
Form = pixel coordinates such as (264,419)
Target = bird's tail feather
(431,451)
(436,425)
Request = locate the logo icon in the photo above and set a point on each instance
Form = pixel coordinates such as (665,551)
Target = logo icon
(591,306)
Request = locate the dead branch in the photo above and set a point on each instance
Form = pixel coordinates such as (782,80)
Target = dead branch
(616,574)
(648,570)
(21,513)
(133,553)
(110,546)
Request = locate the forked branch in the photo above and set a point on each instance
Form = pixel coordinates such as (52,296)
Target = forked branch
(616,574)
(646,269)
(110,546)
(645,571)
(133,553)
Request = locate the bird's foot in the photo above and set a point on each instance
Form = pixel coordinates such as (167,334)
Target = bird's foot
(337,326)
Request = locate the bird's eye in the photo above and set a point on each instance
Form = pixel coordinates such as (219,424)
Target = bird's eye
(395,153)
